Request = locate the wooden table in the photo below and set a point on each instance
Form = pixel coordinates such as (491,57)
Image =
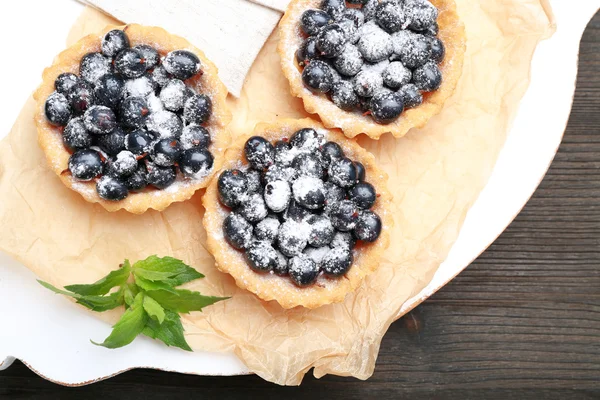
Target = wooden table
(523,321)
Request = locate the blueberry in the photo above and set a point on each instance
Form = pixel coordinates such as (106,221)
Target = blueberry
(421,14)
(278,173)
(130,63)
(283,156)
(427,77)
(165,123)
(195,135)
(321,230)
(292,237)
(85,164)
(112,143)
(416,52)
(309,192)
(75,136)
(143,86)
(100,120)
(312,21)
(317,254)
(368,226)
(307,51)
(361,172)
(109,90)
(349,62)
(94,66)
(309,164)
(160,177)
(281,268)
(149,54)
(343,240)
(386,107)
(390,16)
(253,208)
(363,194)
(259,152)
(349,28)
(369,9)
(166,152)
(266,230)
(237,231)
(182,64)
(81,96)
(113,42)
(307,139)
(367,83)
(411,96)
(344,215)
(438,51)
(396,75)
(232,187)
(317,76)
(195,162)
(432,30)
(355,15)
(331,40)
(65,82)
(261,257)
(254,184)
(122,165)
(160,76)
(337,262)
(333,194)
(335,8)
(344,96)
(139,142)
(375,44)
(111,188)
(57,109)
(133,112)
(139,179)
(342,172)
(197,109)
(295,212)
(277,195)
(303,270)
(331,151)
(173,95)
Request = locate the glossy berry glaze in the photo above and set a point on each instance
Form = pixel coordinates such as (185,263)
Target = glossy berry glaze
(298,207)
(370,56)
(129,119)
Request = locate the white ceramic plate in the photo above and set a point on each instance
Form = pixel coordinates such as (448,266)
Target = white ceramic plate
(52,336)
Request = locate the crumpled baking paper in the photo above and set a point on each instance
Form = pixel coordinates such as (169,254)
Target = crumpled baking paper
(436,173)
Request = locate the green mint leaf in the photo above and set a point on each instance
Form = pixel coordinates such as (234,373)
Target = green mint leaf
(94,303)
(166,269)
(103,286)
(170,332)
(154,309)
(183,301)
(129,292)
(130,325)
(146,284)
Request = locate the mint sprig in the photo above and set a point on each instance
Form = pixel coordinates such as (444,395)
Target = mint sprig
(152,303)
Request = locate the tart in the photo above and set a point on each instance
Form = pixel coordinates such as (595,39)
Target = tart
(132,118)
(298,214)
(372,67)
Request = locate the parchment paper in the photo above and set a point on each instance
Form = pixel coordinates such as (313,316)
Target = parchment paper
(435,175)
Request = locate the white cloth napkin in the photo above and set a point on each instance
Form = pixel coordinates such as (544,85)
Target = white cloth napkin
(230,32)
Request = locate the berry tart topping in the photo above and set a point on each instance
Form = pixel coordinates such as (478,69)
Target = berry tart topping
(298,207)
(372,57)
(131,120)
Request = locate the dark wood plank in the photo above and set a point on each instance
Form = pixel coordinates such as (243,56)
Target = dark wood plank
(523,321)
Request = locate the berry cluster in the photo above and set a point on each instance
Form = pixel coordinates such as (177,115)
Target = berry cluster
(300,207)
(375,57)
(130,119)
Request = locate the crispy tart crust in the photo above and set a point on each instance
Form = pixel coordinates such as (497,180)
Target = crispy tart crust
(272,287)
(353,123)
(50,137)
